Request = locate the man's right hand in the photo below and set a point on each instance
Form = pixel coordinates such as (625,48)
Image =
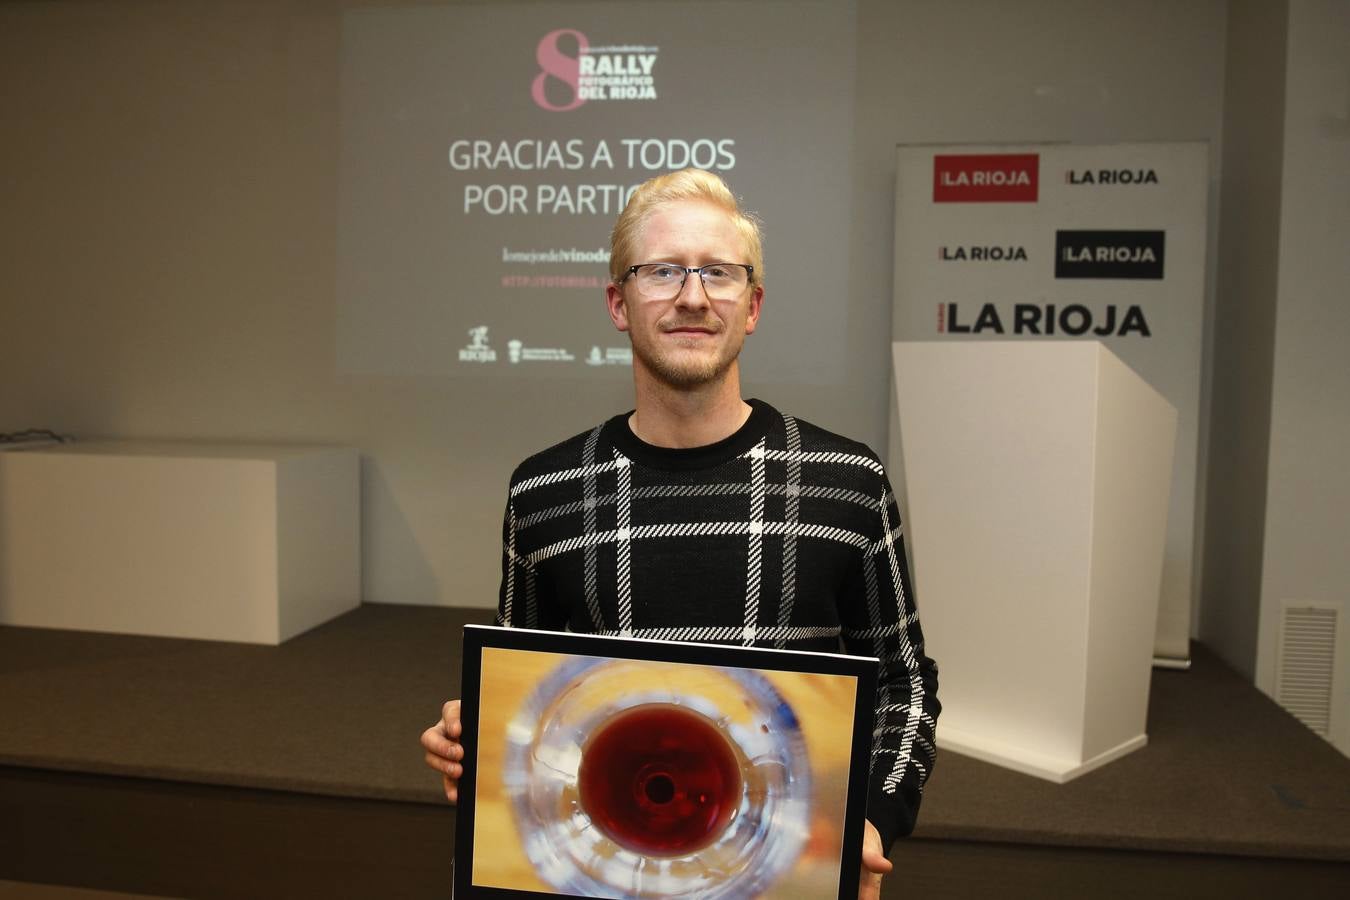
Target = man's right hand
(444,751)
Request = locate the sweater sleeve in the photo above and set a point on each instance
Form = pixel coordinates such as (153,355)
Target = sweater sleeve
(880,619)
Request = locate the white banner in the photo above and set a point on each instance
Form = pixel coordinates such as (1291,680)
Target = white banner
(1069,242)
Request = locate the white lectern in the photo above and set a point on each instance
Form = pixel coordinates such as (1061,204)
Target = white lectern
(1038,476)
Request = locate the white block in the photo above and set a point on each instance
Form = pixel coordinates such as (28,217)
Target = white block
(1038,476)
(250,543)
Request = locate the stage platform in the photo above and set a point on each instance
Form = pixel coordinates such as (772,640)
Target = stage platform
(200,769)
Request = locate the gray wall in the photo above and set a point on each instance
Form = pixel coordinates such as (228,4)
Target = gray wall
(1308,493)
(1278,482)
(1242,327)
(170,218)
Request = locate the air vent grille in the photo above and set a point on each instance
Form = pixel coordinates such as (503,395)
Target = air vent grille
(1307,664)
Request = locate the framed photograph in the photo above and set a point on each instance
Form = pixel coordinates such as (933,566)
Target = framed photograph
(613,767)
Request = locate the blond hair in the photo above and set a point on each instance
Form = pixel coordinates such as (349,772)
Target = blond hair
(686,184)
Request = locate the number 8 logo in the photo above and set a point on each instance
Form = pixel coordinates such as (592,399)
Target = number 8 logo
(553,62)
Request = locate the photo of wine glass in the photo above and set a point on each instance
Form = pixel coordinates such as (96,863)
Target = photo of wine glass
(631,778)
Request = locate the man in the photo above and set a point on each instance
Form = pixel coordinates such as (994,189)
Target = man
(699,516)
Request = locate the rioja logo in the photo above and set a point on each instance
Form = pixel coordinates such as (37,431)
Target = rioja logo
(1109,254)
(1048,319)
(986,178)
(1111,176)
(982,254)
(478,350)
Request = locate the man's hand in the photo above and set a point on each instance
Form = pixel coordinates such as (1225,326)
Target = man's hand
(444,752)
(874,864)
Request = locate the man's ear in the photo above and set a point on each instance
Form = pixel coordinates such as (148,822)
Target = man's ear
(618,313)
(756,303)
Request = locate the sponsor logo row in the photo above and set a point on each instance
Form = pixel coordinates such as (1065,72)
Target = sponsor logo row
(481,350)
(1081,254)
(1014,177)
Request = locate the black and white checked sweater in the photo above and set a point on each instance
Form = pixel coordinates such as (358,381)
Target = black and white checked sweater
(783,535)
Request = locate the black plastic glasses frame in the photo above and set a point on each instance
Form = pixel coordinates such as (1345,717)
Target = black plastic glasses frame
(689,270)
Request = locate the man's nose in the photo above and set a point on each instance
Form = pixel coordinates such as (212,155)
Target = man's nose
(693,293)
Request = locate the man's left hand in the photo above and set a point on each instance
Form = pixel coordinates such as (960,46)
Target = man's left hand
(874,864)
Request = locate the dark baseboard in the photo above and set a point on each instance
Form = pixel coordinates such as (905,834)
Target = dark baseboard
(199,841)
(188,840)
(960,869)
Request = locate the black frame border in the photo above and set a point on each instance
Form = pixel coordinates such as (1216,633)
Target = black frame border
(477,637)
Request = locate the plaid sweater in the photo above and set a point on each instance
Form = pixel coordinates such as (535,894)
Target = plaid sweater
(782,535)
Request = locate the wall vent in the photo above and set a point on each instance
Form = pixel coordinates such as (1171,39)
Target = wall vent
(1306,666)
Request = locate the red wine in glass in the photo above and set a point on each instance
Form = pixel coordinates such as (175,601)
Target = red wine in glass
(660,780)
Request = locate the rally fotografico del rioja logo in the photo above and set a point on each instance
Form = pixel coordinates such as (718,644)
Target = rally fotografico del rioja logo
(615,72)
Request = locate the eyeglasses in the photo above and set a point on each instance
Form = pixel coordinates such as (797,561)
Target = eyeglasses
(664,281)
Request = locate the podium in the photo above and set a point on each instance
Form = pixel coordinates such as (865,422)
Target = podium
(253,543)
(1038,476)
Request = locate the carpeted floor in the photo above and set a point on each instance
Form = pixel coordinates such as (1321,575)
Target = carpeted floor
(335,711)
(338,711)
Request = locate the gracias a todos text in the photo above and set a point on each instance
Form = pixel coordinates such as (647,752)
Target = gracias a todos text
(531,154)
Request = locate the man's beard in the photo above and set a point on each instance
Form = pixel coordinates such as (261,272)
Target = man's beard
(685,370)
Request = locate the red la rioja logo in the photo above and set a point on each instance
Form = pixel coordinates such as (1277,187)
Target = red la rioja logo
(986,177)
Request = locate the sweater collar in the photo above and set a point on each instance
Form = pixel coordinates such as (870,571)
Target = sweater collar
(620,437)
